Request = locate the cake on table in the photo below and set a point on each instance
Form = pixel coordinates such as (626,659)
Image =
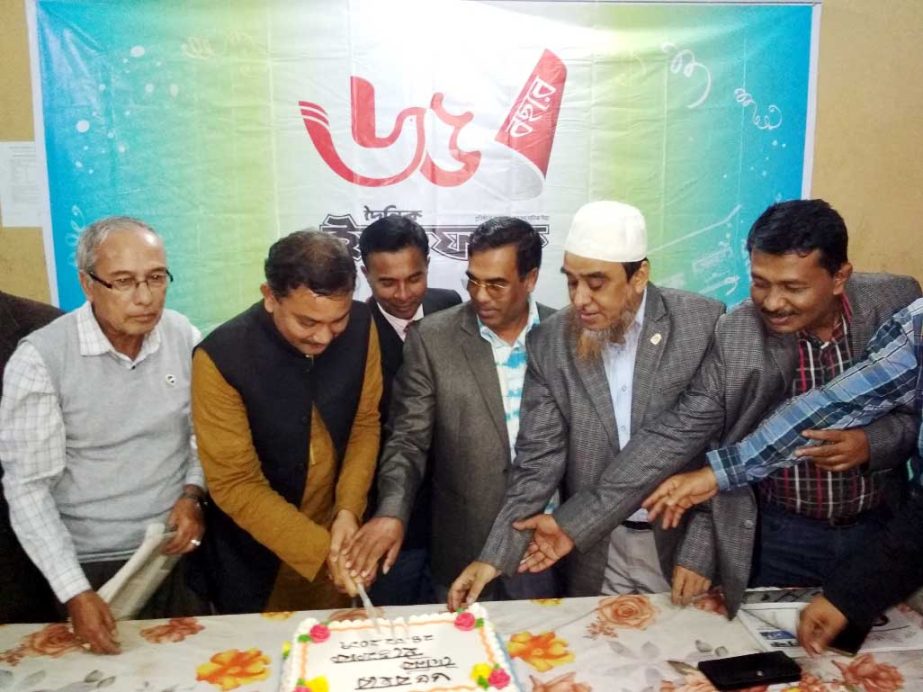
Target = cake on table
(425,653)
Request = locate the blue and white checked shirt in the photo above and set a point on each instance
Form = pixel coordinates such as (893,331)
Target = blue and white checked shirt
(890,375)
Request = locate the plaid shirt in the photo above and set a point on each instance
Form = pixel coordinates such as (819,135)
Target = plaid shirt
(807,489)
(890,376)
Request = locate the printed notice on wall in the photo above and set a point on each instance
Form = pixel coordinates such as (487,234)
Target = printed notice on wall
(20,198)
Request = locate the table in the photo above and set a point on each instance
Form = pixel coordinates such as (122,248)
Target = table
(600,644)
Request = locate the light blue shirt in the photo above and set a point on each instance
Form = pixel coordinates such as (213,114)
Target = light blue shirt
(511,361)
(619,361)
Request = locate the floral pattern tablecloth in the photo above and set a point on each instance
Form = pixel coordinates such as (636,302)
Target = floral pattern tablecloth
(606,644)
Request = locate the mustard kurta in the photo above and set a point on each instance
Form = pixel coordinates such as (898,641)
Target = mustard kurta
(299,536)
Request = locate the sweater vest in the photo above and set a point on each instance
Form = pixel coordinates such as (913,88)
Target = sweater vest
(128,434)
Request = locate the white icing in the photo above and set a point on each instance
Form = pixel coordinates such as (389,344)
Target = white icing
(360,656)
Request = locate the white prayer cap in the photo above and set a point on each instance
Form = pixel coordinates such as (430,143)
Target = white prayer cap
(608,231)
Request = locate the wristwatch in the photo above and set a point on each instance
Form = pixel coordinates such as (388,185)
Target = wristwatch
(195,497)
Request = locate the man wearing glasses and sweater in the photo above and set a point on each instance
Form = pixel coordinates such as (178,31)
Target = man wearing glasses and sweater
(95,435)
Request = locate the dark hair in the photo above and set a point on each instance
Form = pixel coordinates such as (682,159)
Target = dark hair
(632,267)
(802,226)
(313,259)
(390,234)
(508,230)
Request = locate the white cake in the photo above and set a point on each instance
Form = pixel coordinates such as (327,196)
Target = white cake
(440,651)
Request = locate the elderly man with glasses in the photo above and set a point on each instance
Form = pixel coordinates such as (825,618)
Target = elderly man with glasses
(95,434)
(458,394)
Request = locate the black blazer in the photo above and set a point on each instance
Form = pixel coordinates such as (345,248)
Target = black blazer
(392,346)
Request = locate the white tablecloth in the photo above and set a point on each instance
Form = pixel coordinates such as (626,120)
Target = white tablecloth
(563,645)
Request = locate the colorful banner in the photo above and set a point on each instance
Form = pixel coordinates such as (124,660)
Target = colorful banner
(228,125)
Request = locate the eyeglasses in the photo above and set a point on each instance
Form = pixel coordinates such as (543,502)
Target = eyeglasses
(494,289)
(125,284)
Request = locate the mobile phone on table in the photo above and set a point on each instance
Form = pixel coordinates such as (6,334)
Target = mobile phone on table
(750,670)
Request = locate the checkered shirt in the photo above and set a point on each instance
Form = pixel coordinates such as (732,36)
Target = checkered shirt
(891,375)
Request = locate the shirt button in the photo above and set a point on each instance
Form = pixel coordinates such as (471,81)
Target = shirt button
(624,387)
(748,523)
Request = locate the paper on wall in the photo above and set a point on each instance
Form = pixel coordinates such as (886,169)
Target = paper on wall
(20,188)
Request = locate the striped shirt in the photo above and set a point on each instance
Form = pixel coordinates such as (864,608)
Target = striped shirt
(891,375)
(807,489)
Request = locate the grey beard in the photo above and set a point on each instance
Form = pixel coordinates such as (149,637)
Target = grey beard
(590,343)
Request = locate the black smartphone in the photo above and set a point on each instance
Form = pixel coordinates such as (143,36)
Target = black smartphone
(849,641)
(751,669)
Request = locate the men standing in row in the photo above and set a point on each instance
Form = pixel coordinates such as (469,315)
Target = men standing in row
(458,393)
(26,595)
(619,356)
(95,435)
(285,403)
(809,317)
(395,262)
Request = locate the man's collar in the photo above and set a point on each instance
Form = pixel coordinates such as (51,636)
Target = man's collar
(399,323)
(492,336)
(638,323)
(634,329)
(840,324)
(93,342)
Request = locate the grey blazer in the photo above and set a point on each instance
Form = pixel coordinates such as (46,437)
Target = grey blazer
(747,373)
(447,395)
(568,430)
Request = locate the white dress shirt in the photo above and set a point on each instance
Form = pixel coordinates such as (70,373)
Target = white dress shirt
(619,361)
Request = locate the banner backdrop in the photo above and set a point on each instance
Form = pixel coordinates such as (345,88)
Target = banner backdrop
(228,125)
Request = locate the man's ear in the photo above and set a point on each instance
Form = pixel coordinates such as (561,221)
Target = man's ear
(269,298)
(640,278)
(86,283)
(840,277)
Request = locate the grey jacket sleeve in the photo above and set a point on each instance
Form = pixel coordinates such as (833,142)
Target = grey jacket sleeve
(654,453)
(697,551)
(893,438)
(541,451)
(411,420)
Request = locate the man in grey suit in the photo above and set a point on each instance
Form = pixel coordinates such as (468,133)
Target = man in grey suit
(805,300)
(456,399)
(598,371)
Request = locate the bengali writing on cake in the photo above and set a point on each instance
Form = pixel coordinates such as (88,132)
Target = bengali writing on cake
(400,662)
